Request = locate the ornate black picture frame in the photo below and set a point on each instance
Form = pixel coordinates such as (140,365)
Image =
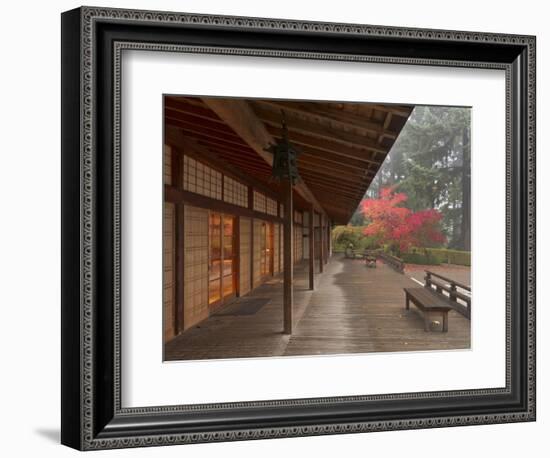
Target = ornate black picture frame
(92,42)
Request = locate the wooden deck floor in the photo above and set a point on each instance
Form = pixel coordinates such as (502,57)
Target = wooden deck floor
(354,309)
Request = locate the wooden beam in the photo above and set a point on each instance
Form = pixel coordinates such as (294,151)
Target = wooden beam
(339,184)
(334,171)
(178,196)
(330,188)
(311,154)
(241,118)
(339,118)
(199,131)
(331,160)
(393,109)
(288,267)
(387,122)
(331,145)
(203,123)
(183,106)
(311,250)
(310,129)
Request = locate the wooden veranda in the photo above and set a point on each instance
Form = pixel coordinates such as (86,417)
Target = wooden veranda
(229,227)
(354,309)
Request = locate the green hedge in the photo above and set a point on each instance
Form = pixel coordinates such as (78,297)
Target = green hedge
(461,258)
(420,258)
(438,256)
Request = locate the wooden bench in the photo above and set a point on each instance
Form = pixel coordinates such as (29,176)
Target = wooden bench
(394,262)
(432,298)
(443,285)
(428,303)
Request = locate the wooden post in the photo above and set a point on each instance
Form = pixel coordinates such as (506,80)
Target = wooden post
(288,273)
(330,239)
(321,243)
(311,249)
(179,246)
(237,255)
(327,253)
(179,215)
(251,207)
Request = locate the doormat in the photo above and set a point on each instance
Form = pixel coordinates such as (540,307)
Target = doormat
(244,306)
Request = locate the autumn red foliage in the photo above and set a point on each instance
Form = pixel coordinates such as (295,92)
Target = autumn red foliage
(394,224)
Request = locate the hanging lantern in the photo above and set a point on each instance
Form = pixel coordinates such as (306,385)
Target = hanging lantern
(284,157)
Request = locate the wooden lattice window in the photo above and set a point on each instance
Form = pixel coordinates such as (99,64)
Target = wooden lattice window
(271,206)
(201,179)
(235,192)
(259,202)
(167,164)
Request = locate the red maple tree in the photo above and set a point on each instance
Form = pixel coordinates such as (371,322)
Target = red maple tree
(393,224)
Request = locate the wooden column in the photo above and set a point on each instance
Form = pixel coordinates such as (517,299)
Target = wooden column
(179,268)
(330,239)
(251,207)
(288,273)
(311,249)
(179,247)
(327,242)
(321,243)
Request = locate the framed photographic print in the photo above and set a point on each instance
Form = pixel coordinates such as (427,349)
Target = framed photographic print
(276,228)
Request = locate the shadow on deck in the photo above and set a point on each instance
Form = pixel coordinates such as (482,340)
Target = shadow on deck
(353,309)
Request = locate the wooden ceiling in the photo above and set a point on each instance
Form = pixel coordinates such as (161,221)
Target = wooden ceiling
(343,144)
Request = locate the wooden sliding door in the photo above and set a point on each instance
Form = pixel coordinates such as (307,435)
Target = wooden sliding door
(266,250)
(222,259)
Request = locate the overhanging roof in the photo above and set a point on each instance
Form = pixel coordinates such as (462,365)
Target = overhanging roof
(343,144)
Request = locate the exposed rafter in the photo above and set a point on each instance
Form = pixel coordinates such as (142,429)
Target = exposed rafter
(242,119)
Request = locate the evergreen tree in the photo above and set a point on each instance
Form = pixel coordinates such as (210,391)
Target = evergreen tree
(430,162)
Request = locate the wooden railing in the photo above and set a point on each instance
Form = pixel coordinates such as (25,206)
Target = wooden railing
(393,261)
(451,288)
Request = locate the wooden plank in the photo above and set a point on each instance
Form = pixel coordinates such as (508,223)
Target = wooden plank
(352,310)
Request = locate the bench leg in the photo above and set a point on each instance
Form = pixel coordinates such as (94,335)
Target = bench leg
(407,302)
(445,321)
(427,322)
